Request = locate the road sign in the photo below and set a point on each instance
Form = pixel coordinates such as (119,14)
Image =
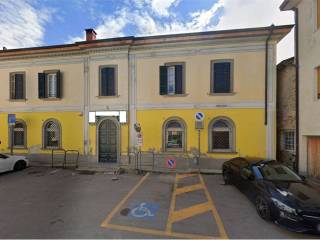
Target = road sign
(171,162)
(199,116)
(139,139)
(11,119)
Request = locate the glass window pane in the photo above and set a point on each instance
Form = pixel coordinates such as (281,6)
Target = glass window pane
(171,80)
(52,85)
(174,140)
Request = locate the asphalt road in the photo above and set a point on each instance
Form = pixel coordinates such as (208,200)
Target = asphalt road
(56,203)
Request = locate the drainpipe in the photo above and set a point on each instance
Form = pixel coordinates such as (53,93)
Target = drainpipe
(128,110)
(266,76)
(296,15)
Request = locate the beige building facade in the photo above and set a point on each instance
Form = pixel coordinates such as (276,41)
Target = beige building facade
(89,96)
(308,63)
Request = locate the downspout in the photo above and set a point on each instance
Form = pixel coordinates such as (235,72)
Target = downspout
(128,111)
(266,76)
(296,13)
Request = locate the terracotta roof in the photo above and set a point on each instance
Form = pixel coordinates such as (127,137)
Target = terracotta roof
(279,31)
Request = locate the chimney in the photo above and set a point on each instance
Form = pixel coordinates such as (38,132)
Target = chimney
(90,34)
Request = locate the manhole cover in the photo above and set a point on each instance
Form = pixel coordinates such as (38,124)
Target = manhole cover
(125,211)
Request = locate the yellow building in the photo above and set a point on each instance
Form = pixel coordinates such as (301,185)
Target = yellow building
(89,96)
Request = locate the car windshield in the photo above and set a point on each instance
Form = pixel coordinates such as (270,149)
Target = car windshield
(278,172)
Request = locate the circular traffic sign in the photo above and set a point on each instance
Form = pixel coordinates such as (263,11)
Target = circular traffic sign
(199,116)
(171,162)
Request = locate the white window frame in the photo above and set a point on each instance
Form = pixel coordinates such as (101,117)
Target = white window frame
(284,140)
(52,88)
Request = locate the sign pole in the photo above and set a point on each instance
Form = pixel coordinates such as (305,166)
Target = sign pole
(11,142)
(199,148)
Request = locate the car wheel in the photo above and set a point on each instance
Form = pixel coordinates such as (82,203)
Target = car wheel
(20,165)
(226,177)
(263,208)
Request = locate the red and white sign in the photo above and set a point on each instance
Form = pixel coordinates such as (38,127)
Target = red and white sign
(139,139)
(171,162)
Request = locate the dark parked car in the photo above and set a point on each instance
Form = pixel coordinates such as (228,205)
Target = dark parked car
(279,194)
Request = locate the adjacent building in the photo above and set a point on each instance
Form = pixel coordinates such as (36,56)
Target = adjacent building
(90,95)
(286,112)
(308,79)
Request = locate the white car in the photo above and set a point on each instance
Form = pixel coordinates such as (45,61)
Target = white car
(9,163)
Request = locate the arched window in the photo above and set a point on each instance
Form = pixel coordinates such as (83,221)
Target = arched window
(221,135)
(174,135)
(19,134)
(51,134)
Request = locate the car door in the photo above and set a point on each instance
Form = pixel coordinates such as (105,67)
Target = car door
(4,163)
(247,182)
(237,166)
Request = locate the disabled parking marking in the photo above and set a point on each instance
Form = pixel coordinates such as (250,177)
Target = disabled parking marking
(179,215)
(174,216)
(123,201)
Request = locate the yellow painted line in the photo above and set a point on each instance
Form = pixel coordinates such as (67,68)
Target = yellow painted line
(157,232)
(189,188)
(123,201)
(222,231)
(180,176)
(172,206)
(190,211)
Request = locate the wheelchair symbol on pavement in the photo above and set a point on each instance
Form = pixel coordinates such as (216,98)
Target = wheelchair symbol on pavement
(144,210)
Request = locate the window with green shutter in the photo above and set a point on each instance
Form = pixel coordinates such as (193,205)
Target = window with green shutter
(221,76)
(172,79)
(17,85)
(50,84)
(108,81)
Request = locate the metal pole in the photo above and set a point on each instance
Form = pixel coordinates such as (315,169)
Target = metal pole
(12,136)
(198,163)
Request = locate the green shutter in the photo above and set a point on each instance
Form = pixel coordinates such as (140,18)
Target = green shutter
(163,80)
(42,85)
(178,79)
(59,84)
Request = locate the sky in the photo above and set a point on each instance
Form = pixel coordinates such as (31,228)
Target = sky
(30,23)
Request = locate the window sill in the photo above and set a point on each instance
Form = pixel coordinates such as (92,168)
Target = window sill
(175,95)
(222,94)
(18,100)
(102,97)
(223,152)
(51,99)
(18,148)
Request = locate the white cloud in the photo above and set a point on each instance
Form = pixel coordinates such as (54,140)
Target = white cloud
(161,7)
(21,25)
(258,13)
(151,17)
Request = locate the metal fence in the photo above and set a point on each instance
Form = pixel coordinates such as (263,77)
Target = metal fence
(64,158)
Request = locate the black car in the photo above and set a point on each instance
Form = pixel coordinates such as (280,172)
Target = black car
(279,194)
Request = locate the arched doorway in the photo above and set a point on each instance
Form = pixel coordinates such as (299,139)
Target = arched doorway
(108,141)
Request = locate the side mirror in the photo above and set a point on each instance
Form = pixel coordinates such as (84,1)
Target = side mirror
(302,177)
(246,174)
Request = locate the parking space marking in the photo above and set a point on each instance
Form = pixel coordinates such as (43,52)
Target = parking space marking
(190,211)
(157,232)
(222,231)
(123,201)
(190,188)
(184,175)
(176,216)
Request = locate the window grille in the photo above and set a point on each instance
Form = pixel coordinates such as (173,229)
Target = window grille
(52,135)
(289,140)
(222,135)
(19,135)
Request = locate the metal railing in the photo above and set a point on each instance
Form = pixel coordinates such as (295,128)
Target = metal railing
(64,154)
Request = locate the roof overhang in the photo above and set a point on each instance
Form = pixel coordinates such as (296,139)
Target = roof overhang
(289,5)
(249,34)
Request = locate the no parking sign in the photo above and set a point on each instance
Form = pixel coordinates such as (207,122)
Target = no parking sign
(171,162)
